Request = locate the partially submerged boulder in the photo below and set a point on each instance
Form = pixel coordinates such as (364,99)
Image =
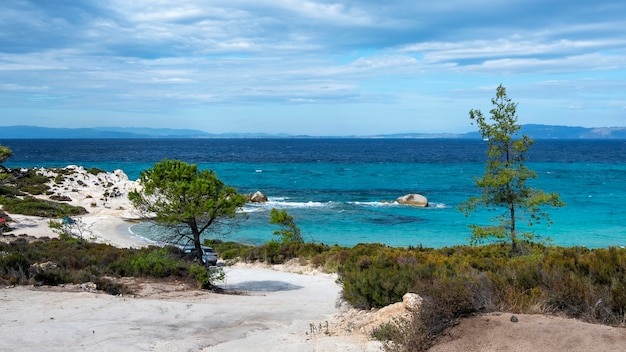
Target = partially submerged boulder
(416,200)
(257,197)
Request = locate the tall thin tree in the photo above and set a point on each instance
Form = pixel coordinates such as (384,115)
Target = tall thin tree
(504,183)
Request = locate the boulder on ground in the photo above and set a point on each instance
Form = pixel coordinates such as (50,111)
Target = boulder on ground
(416,200)
(257,197)
(412,302)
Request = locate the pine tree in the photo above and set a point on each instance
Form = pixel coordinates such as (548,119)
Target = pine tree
(185,200)
(504,183)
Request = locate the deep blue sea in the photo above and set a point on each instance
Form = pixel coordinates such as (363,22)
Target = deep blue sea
(335,188)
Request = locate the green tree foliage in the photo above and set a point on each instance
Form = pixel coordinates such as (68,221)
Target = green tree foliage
(187,201)
(290,232)
(5,153)
(504,184)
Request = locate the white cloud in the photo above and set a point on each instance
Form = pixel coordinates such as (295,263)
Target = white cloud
(408,57)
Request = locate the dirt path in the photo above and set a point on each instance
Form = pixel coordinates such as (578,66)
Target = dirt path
(277,313)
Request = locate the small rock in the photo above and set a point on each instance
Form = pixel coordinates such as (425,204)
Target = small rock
(89,287)
(258,197)
(412,302)
(514,319)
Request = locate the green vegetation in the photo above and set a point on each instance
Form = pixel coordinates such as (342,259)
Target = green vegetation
(31,182)
(454,282)
(290,232)
(38,207)
(5,153)
(459,281)
(188,201)
(70,260)
(504,185)
(19,183)
(95,171)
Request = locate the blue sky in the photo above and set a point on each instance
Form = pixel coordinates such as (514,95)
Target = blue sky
(310,67)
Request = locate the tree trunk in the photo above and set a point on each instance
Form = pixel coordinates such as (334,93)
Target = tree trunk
(513,230)
(196,241)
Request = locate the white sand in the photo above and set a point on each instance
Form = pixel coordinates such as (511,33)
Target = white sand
(277,314)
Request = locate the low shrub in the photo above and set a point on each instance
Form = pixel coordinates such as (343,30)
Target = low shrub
(72,260)
(14,268)
(111,287)
(229,250)
(95,171)
(206,277)
(39,207)
(459,281)
(10,191)
(157,262)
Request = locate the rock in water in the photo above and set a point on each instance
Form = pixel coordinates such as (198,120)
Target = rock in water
(258,197)
(416,200)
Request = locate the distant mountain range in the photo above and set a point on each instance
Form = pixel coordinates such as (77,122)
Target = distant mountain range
(533,131)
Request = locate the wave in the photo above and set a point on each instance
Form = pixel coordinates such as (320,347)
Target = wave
(283,203)
(431,205)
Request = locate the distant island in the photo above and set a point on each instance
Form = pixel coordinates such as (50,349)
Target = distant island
(533,130)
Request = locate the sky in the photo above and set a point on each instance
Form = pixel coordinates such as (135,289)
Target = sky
(312,67)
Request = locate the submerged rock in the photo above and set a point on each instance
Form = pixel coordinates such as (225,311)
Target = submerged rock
(416,200)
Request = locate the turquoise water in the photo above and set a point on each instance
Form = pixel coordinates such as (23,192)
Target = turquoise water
(336,190)
(345,203)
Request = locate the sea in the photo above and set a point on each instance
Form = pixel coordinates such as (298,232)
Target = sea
(343,191)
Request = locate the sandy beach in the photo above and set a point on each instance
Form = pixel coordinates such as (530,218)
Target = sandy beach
(279,308)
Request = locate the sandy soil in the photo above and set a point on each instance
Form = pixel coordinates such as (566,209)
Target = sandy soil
(539,333)
(277,311)
(281,308)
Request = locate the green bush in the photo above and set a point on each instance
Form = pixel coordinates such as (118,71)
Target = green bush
(59,178)
(14,268)
(75,261)
(11,191)
(157,262)
(39,207)
(206,277)
(50,277)
(95,171)
(229,250)
(458,281)
(111,287)
(31,182)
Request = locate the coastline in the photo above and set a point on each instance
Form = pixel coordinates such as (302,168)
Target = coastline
(274,307)
(108,218)
(280,308)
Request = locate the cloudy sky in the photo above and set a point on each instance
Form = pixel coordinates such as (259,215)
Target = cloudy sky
(312,67)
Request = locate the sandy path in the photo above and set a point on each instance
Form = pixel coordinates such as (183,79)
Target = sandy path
(275,315)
